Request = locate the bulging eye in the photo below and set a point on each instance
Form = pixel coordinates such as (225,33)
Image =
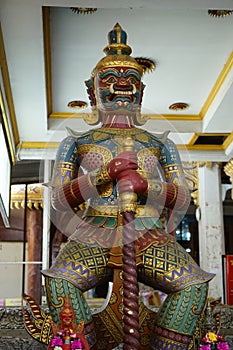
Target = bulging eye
(132,80)
(111,80)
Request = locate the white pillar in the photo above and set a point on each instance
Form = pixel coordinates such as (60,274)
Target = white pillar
(46,216)
(211,229)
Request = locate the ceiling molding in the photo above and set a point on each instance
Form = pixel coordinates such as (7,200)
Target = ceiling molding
(64,115)
(197,135)
(200,147)
(190,146)
(8,138)
(218,84)
(39,145)
(228,141)
(67,115)
(9,123)
(212,98)
(47,57)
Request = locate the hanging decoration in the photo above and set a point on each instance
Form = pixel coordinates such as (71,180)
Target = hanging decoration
(77,104)
(179,106)
(220,13)
(83,10)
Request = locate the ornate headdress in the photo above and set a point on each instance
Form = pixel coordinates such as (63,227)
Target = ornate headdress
(117,54)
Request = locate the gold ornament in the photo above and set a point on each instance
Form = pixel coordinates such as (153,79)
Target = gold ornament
(220,13)
(83,10)
(148,65)
(92,118)
(77,104)
(117,61)
(128,202)
(179,106)
(141,119)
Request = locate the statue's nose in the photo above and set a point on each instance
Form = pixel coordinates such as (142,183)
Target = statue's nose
(123,81)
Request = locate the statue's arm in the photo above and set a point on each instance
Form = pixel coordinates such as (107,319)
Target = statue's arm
(173,192)
(70,186)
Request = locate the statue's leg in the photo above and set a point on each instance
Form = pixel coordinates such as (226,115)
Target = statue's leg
(177,320)
(172,270)
(77,269)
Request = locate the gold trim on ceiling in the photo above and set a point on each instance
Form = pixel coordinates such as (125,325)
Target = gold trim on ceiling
(39,145)
(220,80)
(7,130)
(200,147)
(47,57)
(228,141)
(193,139)
(208,147)
(9,99)
(190,146)
(55,145)
(66,115)
(197,135)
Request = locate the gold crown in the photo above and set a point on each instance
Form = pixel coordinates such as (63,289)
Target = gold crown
(118,54)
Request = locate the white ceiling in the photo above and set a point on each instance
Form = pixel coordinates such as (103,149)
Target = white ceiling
(192,51)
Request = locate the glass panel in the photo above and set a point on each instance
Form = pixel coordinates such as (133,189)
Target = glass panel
(182,231)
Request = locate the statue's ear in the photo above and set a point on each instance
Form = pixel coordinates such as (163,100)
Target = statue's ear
(90,90)
(142,90)
(91,118)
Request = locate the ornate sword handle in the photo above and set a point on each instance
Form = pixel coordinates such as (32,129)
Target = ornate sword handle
(128,200)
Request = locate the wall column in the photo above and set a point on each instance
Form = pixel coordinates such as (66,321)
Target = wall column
(34,239)
(211,229)
(46,216)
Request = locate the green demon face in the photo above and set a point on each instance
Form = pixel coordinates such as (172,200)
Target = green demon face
(119,89)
